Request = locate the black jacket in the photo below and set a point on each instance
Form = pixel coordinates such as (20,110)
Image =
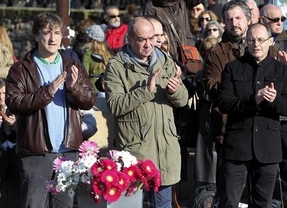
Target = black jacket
(252,132)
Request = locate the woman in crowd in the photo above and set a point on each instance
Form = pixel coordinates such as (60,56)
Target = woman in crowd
(96,53)
(81,37)
(4,38)
(194,12)
(214,28)
(203,19)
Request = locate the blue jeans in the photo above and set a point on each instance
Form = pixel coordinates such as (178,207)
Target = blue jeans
(35,170)
(161,199)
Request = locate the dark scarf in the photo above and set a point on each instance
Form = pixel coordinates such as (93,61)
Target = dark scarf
(238,43)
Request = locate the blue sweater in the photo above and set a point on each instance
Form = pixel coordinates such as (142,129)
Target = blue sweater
(56,110)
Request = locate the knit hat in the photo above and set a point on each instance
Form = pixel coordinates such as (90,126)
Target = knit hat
(95,32)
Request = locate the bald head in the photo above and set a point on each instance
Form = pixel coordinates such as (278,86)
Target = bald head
(158,31)
(136,23)
(141,37)
(272,15)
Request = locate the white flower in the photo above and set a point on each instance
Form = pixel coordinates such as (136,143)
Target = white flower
(127,159)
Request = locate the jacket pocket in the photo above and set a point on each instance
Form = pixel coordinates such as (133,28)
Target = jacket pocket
(131,132)
(274,125)
(276,80)
(172,128)
(236,126)
(242,85)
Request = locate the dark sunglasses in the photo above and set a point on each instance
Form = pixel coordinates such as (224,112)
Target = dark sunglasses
(114,16)
(214,30)
(205,18)
(276,19)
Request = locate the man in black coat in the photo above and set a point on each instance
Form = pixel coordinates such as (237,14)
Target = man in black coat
(272,15)
(253,92)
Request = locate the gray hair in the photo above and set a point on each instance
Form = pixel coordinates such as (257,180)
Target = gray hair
(233,3)
(221,30)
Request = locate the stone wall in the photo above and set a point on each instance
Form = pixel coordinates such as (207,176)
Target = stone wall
(18,22)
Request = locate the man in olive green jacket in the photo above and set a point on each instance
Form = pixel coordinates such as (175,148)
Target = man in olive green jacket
(142,87)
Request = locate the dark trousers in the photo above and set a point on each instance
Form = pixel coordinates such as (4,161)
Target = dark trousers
(233,178)
(35,170)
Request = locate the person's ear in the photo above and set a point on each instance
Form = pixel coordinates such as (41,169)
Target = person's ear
(106,18)
(271,41)
(262,20)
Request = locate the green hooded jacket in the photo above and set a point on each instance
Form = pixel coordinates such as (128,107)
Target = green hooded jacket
(144,121)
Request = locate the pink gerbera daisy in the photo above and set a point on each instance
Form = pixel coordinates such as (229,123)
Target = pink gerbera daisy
(88,148)
(58,161)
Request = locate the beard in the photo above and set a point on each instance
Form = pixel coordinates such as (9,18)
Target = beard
(115,24)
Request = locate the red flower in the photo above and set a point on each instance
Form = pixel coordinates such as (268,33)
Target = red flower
(112,194)
(132,172)
(124,182)
(98,187)
(109,164)
(110,178)
(97,169)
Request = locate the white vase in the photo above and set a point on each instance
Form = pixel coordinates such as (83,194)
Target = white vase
(133,201)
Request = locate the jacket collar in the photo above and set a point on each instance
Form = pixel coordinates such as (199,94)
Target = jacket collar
(280,39)
(229,43)
(253,62)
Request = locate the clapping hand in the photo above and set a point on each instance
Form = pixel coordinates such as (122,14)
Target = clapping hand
(72,77)
(173,82)
(267,93)
(60,79)
(152,80)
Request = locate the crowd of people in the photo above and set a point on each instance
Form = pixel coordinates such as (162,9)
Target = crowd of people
(233,111)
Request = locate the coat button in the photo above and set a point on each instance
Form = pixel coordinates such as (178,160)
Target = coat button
(256,129)
(258,83)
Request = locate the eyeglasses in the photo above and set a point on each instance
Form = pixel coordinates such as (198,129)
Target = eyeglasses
(205,18)
(114,16)
(259,40)
(277,19)
(214,30)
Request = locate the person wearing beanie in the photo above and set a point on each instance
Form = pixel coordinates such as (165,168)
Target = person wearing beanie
(96,52)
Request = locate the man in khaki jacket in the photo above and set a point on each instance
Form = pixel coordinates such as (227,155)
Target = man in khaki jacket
(142,87)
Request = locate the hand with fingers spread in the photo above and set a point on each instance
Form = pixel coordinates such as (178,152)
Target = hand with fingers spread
(270,94)
(72,77)
(60,79)
(152,80)
(173,82)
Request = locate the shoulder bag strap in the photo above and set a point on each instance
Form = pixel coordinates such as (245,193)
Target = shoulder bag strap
(171,26)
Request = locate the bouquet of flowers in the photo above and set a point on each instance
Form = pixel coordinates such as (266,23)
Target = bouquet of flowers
(106,177)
